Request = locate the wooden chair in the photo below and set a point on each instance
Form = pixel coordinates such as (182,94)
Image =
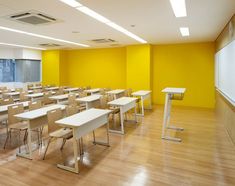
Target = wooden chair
(23,96)
(55,131)
(128,92)
(37,90)
(35,105)
(19,89)
(71,110)
(7,101)
(14,124)
(29,86)
(46,100)
(60,91)
(72,101)
(82,94)
(104,105)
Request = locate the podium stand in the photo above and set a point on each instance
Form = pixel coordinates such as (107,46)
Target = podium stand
(171,94)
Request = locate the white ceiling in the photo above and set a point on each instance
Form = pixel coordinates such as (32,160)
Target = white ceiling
(154,20)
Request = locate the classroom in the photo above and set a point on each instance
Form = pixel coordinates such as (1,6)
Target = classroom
(126,92)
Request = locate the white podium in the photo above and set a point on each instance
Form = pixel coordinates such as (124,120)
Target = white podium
(171,94)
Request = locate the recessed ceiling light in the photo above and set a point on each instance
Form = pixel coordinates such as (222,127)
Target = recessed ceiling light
(22,46)
(103,19)
(72,3)
(42,36)
(179,8)
(184,31)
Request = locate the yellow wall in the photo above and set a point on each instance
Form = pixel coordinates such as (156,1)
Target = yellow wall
(51,67)
(185,65)
(138,63)
(138,67)
(97,67)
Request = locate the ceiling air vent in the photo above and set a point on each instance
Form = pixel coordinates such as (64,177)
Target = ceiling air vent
(49,45)
(103,41)
(32,17)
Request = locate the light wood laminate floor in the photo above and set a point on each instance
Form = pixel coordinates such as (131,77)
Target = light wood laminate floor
(206,156)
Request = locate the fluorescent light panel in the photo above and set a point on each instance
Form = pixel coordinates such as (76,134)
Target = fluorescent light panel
(42,36)
(179,8)
(184,31)
(93,14)
(103,19)
(22,46)
(72,3)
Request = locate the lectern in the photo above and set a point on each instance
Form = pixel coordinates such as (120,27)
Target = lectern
(171,94)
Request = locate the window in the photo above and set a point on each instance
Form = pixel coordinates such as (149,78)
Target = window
(20,70)
(7,70)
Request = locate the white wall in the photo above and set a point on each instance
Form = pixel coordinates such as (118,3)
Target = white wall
(16,53)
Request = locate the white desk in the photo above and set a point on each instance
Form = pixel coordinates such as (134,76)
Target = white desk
(125,104)
(35,96)
(35,87)
(36,119)
(92,91)
(116,93)
(82,124)
(143,94)
(71,89)
(90,101)
(61,98)
(170,92)
(4,108)
(52,88)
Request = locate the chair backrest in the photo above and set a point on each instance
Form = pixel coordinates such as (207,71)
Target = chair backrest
(37,90)
(6,101)
(23,96)
(35,105)
(71,110)
(104,102)
(19,89)
(72,99)
(13,110)
(102,91)
(38,84)
(60,91)
(128,92)
(46,99)
(3,88)
(29,86)
(82,94)
(53,116)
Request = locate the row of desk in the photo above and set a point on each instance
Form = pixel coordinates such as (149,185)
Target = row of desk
(82,123)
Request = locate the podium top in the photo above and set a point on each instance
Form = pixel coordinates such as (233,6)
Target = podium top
(174,90)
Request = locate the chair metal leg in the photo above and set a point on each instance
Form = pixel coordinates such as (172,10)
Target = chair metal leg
(47,148)
(63,143)
(8,134)
(19,142)
(93,136)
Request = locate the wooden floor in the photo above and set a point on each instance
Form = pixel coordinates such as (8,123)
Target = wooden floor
(206,156)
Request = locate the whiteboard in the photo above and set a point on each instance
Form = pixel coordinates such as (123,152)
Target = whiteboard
(225,71)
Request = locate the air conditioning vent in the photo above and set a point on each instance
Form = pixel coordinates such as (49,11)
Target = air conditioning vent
(49,45)
(103,40)
(32,17)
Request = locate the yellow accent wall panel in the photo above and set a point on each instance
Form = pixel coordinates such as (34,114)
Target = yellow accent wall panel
(185,65)
(138,67)
(97,67)
(51,67)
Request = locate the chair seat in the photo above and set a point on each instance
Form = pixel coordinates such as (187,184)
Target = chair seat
(115,110)
(62,133)
(19,126)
